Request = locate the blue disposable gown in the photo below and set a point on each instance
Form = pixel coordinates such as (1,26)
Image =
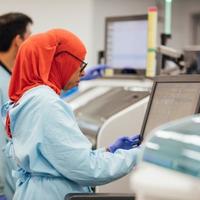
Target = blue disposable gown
(53,155)
(7,182)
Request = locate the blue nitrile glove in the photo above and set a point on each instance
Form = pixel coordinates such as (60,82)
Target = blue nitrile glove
(2,197)
(125,143)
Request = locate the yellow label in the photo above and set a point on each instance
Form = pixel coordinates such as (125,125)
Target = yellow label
(109,72)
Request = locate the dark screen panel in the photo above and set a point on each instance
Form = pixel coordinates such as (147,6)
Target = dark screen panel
(171,100)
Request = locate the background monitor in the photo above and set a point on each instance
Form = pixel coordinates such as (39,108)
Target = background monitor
(172,97)
(126,42)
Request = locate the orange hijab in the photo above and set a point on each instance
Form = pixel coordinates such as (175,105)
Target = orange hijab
(37,62)
(42,60)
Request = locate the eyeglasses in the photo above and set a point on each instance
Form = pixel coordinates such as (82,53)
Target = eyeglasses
(83,63)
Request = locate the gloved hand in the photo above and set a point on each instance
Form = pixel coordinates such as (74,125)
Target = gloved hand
(2,197)
(125,143)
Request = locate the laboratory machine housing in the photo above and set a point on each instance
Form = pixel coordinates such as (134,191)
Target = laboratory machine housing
(105,113)
(171,98)
(108,111)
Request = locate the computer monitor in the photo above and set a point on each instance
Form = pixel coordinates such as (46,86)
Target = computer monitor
(172,97)
(126,43)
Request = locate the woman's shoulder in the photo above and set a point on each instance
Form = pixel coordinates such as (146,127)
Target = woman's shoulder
(42,97)
(39,93)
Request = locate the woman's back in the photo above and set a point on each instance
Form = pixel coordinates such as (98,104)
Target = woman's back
(28,121)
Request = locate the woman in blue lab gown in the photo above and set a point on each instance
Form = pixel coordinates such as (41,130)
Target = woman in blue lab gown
(53,156)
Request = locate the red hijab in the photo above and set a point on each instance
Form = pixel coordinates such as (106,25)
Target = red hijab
(37,64)
(42,60)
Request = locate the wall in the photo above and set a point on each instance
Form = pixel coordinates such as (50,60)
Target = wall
(84,17)
(182,11)
(87,18)
(75,15)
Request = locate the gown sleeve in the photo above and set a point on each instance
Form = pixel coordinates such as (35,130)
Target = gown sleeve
(66,148)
